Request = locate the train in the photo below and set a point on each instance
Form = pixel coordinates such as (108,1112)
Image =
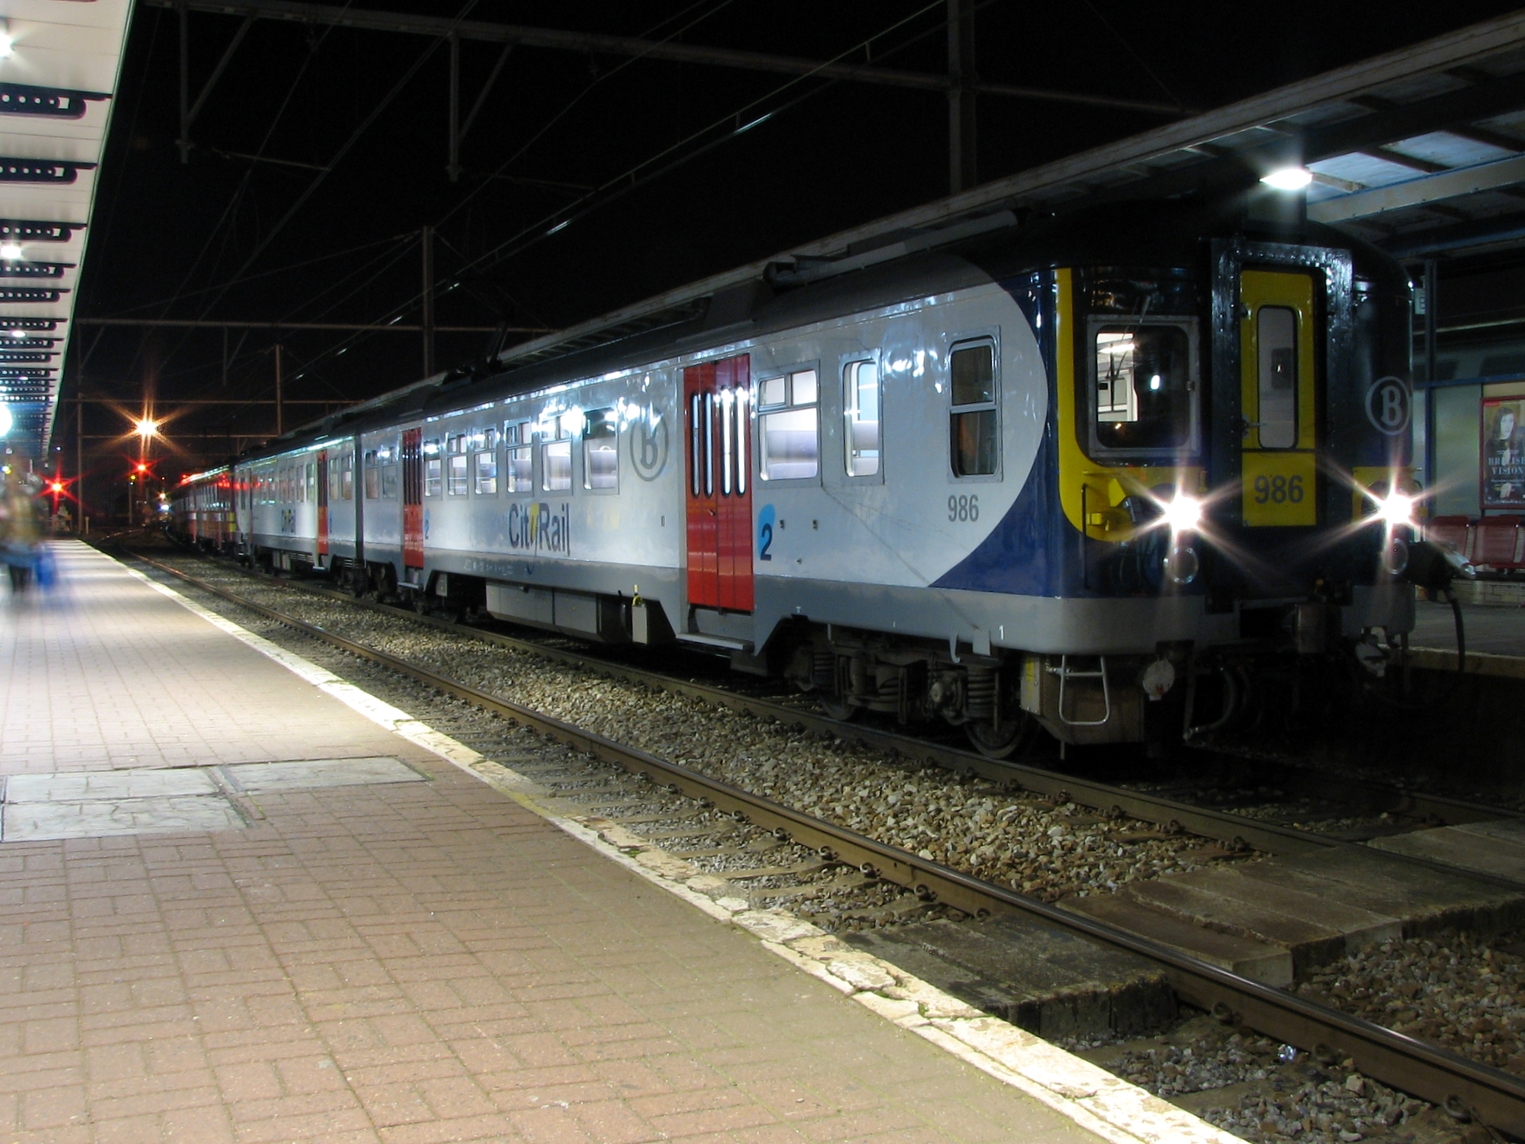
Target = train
(1092,476)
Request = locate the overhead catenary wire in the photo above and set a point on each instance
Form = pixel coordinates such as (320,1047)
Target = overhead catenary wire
(727,127)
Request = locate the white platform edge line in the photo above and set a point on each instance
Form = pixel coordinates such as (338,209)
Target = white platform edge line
(1096,1100)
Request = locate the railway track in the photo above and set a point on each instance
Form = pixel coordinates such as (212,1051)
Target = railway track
(1462,1087)
(1402,808)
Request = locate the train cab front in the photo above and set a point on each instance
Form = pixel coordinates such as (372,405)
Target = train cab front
(1311,497)
(1240,455)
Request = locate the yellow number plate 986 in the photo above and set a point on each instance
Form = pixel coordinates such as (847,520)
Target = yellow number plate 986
(1279,489)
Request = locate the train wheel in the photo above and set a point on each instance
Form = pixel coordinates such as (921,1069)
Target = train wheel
(834,707)
(1014,736)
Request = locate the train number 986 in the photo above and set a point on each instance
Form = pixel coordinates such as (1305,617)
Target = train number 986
(1278,489)
(964,508)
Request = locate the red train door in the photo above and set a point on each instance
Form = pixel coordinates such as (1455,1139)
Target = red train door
(322,503)
(717,404)
(412,498)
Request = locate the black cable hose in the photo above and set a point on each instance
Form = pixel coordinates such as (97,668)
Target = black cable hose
(1461,632)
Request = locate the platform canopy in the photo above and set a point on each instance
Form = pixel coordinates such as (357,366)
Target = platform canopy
(1421,150)
(59,65)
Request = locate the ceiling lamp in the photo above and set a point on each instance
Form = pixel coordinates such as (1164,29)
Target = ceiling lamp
(1288,178)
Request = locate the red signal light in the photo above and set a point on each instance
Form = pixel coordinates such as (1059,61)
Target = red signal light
(56,487)
(142,468)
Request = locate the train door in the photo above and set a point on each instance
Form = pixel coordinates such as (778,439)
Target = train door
(1279,384)
(322,513)
(717,404)
(412,498)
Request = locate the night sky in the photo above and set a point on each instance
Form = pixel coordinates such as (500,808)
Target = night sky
(640,154)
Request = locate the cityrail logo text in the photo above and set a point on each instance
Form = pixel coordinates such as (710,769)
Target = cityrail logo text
(537,527)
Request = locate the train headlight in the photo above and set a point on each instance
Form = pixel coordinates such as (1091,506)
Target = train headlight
(1396,509)
(1183,514)
(1182,564)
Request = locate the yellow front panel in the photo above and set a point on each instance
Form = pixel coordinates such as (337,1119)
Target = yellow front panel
(1279,475)
(1279,488)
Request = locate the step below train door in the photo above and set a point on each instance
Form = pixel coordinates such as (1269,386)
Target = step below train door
(717,417)
(412,501)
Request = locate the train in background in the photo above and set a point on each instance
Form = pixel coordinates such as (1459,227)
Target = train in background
(1098,475)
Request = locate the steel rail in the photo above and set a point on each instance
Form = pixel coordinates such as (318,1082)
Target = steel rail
(1463,1087)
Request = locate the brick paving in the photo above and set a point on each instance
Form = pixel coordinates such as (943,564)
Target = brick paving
(408,962)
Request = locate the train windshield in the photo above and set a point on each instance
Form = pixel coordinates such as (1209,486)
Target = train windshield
(1143,387)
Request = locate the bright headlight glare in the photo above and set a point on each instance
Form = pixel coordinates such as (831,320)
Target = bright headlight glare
(1184,513)
(1396,509)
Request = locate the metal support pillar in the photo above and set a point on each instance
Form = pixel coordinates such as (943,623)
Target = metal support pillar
(962,81)
(185,82)
(79,463)
(428,300)
(1431,284)
(453,167)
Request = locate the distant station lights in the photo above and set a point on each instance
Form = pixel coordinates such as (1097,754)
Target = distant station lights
(1288,178)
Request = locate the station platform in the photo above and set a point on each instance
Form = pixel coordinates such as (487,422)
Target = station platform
(1495,638)
(242,903)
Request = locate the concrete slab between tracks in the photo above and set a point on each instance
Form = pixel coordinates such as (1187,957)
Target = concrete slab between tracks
(1274,920)
(1036,976)
(402,961)
(1496,848)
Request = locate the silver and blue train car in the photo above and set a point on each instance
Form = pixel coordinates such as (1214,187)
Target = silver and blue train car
(1093,475)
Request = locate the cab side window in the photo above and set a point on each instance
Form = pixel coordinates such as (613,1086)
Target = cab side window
(974,437)
(1142,388)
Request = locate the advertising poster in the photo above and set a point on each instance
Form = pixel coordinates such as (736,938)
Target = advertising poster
(1503,452)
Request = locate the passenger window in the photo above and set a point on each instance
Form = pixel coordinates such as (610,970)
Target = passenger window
(372,475)
(521,456)
(333,479)
(485,445)
(860,406)
(975,428)
(433,466)
(788,426)
(556,457)
(387,457)
(600,450)
(312,481)
(347,477)
(455,449)
(1276,334)
(1143,387)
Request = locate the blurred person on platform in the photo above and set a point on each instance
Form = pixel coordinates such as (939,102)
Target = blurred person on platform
(21,529)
